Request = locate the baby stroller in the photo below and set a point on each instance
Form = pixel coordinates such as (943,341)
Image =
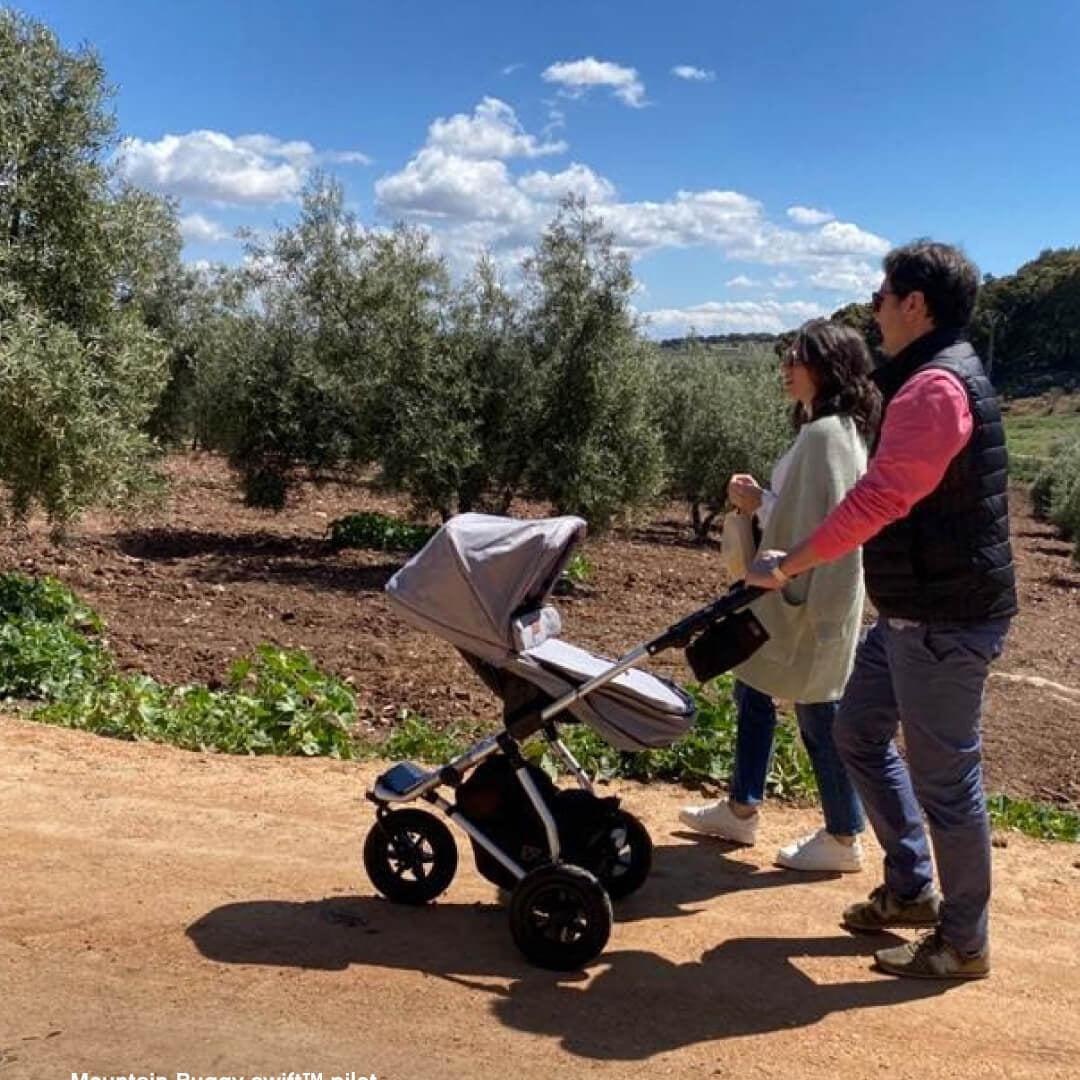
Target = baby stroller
(483,583)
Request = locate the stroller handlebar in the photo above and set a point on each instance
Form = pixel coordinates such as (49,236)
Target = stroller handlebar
(679,635)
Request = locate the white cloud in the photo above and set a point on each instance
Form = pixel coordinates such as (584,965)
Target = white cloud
(201,230)
(851,277)
(692,74)
(577,76)
(734,316)
(574,180)
(473,202)
(345,157)
(511,68)
(741,281)
(493,131)
(213,167)
(439,184)
(806,215)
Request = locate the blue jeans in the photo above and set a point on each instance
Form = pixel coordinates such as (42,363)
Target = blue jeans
(928,679)
(753,753)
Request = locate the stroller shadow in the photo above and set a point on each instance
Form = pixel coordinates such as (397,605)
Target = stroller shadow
(639,1004)
(690,874)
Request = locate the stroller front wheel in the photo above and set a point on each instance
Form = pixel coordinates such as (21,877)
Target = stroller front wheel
(410,856)
(560,917)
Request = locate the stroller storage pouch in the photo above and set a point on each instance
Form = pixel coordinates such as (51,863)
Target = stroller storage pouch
(725,645)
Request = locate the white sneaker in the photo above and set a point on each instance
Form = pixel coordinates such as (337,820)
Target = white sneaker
(820,851)
(718,819)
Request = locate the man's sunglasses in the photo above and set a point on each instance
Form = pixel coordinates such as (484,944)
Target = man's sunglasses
(878,298)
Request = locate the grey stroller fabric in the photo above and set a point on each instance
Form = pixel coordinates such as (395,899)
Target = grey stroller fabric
(478,572)
(635,711)
(480,578)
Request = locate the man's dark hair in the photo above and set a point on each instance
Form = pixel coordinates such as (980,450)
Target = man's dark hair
(945,276)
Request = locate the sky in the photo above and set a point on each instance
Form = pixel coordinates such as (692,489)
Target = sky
(755,159)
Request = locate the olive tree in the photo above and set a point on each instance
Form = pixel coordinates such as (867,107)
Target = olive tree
(81,261)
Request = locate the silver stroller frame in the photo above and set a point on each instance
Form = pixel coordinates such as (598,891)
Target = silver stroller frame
(560,912)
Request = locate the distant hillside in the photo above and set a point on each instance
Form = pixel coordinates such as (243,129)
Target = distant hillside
(720,339)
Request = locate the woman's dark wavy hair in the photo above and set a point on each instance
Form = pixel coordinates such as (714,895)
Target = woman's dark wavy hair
(839,361)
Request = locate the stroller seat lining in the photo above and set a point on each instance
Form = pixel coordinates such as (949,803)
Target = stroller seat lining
(579,666)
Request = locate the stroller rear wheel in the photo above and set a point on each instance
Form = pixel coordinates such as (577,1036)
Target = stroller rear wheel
(560,917)
(623,857)
(410,856)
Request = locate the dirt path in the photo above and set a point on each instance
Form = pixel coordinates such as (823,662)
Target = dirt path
(170,912)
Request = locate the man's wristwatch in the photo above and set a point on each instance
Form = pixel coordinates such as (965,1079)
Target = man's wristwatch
(774,569)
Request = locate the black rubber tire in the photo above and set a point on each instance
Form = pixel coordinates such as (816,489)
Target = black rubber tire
(625,857)
(560,917)
(410,856)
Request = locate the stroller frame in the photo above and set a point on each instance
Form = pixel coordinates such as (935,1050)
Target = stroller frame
(539,891)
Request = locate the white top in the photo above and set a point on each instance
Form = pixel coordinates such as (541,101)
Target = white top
(776,480)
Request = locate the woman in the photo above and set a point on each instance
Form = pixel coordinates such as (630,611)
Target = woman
(814,621)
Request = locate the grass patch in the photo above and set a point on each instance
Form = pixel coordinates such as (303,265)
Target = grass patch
(1031,440)
(276,702)
(378,532)
(1040,820)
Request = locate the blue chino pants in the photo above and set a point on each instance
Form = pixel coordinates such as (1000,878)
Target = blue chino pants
(929,681)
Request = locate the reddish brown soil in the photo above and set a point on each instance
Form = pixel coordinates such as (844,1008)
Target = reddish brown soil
(205,579)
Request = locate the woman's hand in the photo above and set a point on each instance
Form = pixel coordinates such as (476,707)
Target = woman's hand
(744,492)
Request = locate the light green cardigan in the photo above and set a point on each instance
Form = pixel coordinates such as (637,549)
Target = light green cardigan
(814,621)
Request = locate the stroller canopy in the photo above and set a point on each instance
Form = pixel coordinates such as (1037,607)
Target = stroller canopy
(478,572)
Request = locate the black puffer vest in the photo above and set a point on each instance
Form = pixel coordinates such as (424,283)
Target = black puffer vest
(950,559)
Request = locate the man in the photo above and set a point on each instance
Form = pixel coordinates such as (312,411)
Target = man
(932,514)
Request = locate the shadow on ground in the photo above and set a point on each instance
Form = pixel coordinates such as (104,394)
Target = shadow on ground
(266,558)
(640,1004)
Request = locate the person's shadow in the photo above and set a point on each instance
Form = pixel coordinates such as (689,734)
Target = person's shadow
(685,876)
(639,1005)
(644,1004)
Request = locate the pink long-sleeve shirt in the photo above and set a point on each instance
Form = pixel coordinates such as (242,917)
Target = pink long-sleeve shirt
(925,426)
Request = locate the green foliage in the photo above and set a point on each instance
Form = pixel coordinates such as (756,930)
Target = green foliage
(1035,819)
(719,417)
(44,652)
(578,569)
(47,659)
(1027,324)
(275,703)
(74,411)
(415,738)
(706,754)
(1056,491)
(1033,439)
(378,532)
(80,263)
(596,450)
(45,599)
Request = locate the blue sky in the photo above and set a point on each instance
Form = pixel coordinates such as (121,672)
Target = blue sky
(756,159)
